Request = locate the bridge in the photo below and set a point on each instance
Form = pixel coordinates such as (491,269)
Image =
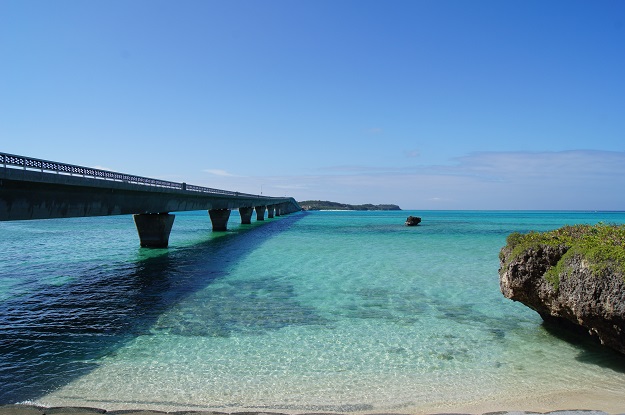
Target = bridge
(40,189)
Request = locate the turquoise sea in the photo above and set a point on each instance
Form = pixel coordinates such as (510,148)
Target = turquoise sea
(316,312)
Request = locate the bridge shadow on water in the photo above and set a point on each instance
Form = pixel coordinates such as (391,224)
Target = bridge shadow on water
(48,339)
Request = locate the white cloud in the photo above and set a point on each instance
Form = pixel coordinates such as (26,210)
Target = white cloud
(580,179)
(546,166)
(574,180)
(219,172)
(354,169)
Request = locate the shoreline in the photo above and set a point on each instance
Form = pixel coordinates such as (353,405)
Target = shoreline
(27,409)
(587,401)
(602,401)
(590,402)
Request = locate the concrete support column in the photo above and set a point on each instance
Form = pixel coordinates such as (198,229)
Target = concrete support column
(219,219)
(154,229)
(260,212)
(270,209)
(278,210)
(246,215)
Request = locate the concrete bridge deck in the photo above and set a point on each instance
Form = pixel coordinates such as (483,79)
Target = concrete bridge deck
(40,189)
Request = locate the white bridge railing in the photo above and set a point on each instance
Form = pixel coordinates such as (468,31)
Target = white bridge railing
(28,163)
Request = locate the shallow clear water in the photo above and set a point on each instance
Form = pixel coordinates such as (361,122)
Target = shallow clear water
(332,311)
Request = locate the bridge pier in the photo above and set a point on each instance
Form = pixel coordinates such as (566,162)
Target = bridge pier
(270,209)
(246,215)
(260,212)
(154,229)
(278,210)
(219,219)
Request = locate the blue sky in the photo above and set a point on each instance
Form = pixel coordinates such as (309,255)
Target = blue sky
(426,104)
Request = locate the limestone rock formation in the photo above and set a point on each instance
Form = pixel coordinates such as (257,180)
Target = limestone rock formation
(413,220)
(565,284)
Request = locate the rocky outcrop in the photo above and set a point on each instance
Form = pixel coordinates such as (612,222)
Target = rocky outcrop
(413,221)
(566,289)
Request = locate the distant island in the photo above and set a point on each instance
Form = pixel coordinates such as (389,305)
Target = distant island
(326,205)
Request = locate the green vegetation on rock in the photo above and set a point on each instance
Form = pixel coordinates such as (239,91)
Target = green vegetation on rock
(326,205)
(601,246)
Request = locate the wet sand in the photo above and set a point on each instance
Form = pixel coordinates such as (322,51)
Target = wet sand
(593,399)
(589,403)
(34,410)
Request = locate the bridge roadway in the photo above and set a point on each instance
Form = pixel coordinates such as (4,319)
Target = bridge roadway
(40,189)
